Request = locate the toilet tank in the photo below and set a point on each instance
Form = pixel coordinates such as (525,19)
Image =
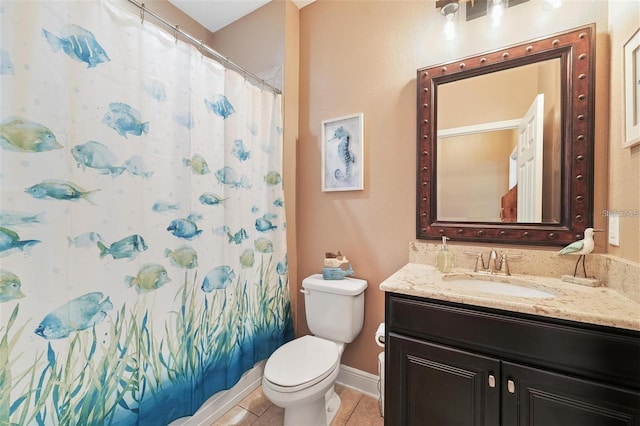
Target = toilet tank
(334,308)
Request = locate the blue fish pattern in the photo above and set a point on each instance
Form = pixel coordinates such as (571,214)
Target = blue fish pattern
(211,199)
(6,66)
(278,202)
(240,151)
(125,120)
(72,147)
(135,167)
(97,156)
(10,242)
(156,90)
(184,228)
(228,176)
(282,267)
(218,278)
(238,237)
(264,225)
(12,218)
(220,105)
(78,43)
(127,248)
(164,206)
(60,190)
(76,315)
(88,239)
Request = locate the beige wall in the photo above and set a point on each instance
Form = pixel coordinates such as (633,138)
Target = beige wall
(256,41)
(473,175)
(624,164)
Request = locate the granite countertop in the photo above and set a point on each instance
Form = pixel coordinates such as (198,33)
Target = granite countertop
(574,302)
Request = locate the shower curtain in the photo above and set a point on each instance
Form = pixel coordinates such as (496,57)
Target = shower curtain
(143,260)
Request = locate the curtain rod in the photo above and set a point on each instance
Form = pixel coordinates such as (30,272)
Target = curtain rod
(198,43)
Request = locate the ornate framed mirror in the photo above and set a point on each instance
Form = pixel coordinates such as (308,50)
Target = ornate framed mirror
(505,143)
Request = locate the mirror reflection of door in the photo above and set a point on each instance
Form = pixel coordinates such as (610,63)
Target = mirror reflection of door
(477,131)
(529,163)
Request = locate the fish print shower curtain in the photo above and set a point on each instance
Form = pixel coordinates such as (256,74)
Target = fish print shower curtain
(142,232)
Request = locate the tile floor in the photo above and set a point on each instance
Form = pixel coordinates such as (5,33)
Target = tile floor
(356,409)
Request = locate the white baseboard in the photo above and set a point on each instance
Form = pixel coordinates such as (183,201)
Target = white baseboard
(359,380)
(216,406)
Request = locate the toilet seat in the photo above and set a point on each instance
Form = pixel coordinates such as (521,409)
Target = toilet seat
(301,363)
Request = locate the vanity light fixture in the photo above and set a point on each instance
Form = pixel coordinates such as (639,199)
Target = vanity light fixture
(494,9)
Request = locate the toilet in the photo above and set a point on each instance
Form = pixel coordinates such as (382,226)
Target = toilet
(300,375)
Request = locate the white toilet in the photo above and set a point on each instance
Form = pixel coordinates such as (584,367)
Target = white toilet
(300,375)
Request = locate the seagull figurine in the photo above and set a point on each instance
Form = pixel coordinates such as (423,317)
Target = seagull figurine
(581,248)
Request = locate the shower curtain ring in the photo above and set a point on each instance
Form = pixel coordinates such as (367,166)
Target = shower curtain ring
(176,30)
(201,48)
(142,13)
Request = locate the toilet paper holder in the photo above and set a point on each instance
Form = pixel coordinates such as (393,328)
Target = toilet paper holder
(380,340)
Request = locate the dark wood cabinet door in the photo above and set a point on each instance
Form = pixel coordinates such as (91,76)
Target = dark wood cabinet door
(434,385)
(542,398)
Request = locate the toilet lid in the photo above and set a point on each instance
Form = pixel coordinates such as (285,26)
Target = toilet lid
(305,359)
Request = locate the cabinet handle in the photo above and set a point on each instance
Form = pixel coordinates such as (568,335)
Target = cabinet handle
(511,386)
(492,381)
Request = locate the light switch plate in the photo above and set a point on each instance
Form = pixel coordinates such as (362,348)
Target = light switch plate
(614,230)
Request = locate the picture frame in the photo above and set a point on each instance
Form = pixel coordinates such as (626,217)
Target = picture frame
(632,90)
(342,143)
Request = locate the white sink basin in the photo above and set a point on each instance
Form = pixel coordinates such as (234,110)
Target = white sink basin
(501,288)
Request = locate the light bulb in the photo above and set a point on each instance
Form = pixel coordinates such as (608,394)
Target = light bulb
(497,10)
(552,4)
(450,27)
(450,13)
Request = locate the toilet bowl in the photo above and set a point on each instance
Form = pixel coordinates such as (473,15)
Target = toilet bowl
(300,375)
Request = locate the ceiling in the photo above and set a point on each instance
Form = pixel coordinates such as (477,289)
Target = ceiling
(217,14)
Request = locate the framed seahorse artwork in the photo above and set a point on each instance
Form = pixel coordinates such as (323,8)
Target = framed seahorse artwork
(343,153)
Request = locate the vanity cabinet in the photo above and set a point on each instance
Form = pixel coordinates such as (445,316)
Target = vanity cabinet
(454,364)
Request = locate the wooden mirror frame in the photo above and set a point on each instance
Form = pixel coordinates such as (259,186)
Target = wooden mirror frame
(576,51)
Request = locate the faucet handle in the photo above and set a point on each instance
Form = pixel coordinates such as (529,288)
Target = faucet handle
(504,265)
(479,260)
